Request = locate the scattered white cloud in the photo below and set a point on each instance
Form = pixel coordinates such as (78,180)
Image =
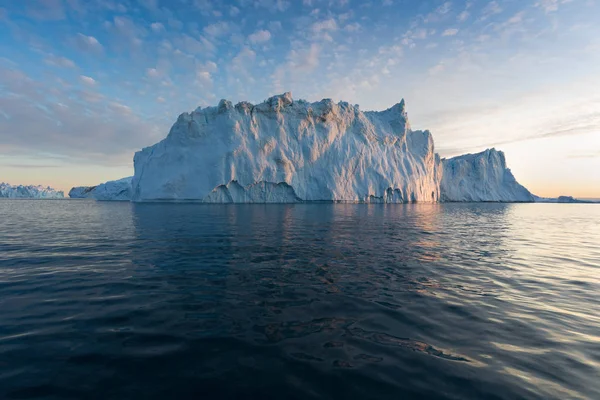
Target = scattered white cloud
(157,27)
(58,61)
(463,16)
(217,29)
(112,130)
(450,32)
(548,5)
(353,27)
(88,43)
(127,33)
(273,5)
(153,73)
(260,36)
(87,80)
(306,59)
(491,9)
(324,25)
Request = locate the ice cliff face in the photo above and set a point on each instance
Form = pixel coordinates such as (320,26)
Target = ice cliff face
(287,151)
(119,190)
(481,177)
(29,192)
(82,192)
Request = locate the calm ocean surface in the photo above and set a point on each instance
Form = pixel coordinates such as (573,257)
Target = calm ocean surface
(323,301)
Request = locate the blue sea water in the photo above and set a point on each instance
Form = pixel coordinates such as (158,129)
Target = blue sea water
(308,301)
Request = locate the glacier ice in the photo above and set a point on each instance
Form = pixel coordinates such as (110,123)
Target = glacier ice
(481,177)
(82,192)
(118,190)
(286,151)
(29,192)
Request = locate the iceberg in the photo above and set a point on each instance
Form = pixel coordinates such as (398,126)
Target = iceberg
(118,190)
(29,192)
(284,150)
(481,177)
(563,199)
(287,151)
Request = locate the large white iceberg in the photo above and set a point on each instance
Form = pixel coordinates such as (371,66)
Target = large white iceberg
(29,192)
(287,151)
(481,177)
(118,190)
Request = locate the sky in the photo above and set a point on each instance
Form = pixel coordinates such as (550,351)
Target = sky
(86,83)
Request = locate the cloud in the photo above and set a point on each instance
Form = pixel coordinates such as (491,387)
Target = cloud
(87,80)
(153,73)
(88,43)
(450,32)
(463,16)
(120,108)
(55,119)
(128,33)
(204,73)
(151,5)
(157,27)
(273,5)
(46,10)
(437,69)
(551,5)
(444,8)
(217,29)
(233,11)
(260,36)
(353,27)
(58,61)
(306,59)
(492,8)
(192,45)
(325,25)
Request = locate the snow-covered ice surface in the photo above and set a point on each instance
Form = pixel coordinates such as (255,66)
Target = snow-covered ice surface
(481,177)
(286,151)
(119,190)
(29,192)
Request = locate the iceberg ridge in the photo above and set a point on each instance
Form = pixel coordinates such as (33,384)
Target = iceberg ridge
(29,192)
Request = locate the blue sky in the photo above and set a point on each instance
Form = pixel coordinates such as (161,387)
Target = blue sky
(86,83)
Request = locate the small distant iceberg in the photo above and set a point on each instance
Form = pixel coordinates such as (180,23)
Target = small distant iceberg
(562,199)
(9,191)
(118,190)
